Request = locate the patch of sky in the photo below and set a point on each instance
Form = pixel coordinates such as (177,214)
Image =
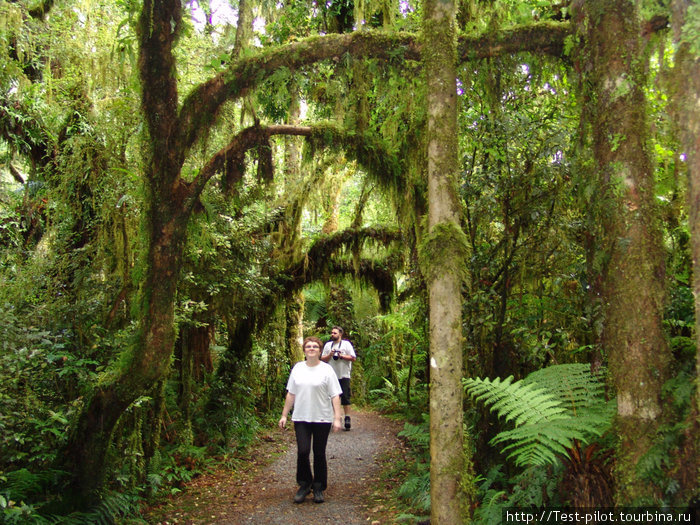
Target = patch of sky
(222,14)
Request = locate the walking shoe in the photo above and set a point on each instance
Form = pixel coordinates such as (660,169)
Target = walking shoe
(347,422)
(318,496)
(301,494)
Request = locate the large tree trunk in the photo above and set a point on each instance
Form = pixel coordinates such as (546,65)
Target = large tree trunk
(443,256)
(687,114)
(291,234)
(146,362)
(166,213)
(633,336)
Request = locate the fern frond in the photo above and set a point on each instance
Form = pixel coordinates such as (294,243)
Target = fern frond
(522,402)
(572,383)
(550,409)
(534,454)
(22,484)
(485,388)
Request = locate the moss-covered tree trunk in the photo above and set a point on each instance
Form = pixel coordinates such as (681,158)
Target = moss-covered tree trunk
(615,67)
(687,114)
(291,233)
(166,214)
(147,359)
(443,256)
(295,333)
(331,208)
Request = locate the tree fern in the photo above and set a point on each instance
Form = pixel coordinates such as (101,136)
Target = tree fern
(551,410)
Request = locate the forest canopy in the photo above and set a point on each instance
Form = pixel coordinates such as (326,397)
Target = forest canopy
(498,201)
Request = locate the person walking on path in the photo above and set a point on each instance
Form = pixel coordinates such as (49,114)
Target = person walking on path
(314,392)
(340,354)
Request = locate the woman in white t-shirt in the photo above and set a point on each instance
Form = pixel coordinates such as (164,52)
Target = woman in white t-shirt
(314,391)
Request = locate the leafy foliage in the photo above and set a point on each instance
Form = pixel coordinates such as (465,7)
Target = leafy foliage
(691,29)
(415,490)
(551,410)
(534,487)
(19,487)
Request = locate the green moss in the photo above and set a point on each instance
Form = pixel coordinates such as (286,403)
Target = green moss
(467,484)
(444,250)
(371,152)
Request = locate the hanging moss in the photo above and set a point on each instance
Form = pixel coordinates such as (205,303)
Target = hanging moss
(324,259)
(382,162)
(233,171)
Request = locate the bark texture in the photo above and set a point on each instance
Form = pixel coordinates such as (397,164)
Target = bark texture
(687,115)
(443,255)
(614,63)
(291,233)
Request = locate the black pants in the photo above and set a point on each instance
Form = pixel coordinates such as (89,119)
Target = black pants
(306,432)
(345,387)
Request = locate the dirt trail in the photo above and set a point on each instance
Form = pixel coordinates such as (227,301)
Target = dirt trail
(264,495)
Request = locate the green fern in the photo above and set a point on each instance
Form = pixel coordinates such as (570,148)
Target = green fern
(22,501)
(22,484)
(551,410)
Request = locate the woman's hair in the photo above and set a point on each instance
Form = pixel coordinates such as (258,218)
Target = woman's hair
(312,339)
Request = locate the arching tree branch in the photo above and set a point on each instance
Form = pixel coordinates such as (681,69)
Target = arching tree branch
(244,74)
(322,258)
(367,149)
(544,37)
(235,150)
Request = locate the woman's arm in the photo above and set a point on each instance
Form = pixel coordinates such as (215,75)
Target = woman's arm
(288,403)
(337,415)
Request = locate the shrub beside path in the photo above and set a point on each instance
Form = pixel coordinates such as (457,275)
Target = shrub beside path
(263,494)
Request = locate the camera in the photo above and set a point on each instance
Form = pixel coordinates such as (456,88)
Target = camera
(336,354)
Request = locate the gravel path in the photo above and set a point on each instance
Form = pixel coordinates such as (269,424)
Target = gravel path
(352,465)
(264,495)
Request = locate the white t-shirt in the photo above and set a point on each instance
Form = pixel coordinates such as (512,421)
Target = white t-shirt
(313,388)
(342,367)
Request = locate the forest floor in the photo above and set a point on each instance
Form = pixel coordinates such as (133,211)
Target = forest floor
(363,472)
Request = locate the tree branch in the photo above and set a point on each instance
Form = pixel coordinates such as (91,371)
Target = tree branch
(544,37)
(319,262)
(237,148)
(367,149)
(16,174)
(244,74)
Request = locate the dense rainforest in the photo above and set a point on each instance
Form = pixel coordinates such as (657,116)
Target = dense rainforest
(498,199)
